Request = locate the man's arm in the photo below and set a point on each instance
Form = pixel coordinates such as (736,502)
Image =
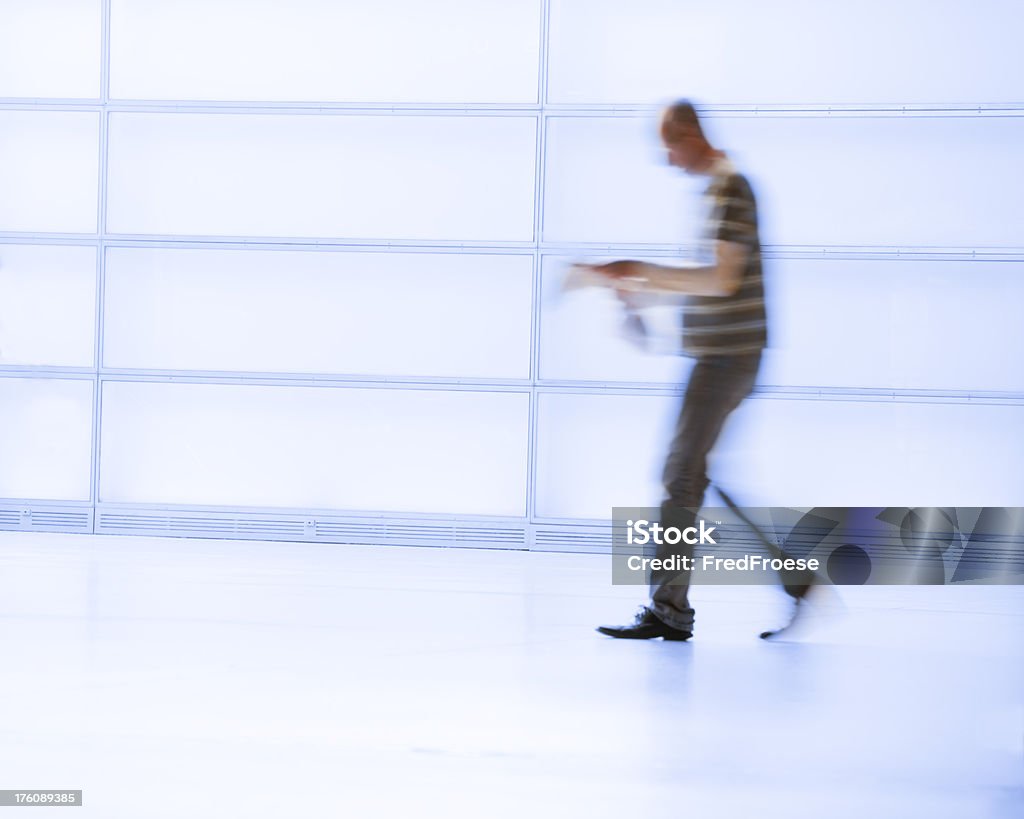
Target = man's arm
(721,279)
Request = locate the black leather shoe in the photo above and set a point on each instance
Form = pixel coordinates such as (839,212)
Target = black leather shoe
(646,627)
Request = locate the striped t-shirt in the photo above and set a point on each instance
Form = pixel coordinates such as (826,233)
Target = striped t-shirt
(736,324)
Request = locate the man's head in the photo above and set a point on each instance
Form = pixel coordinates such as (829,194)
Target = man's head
(684,139)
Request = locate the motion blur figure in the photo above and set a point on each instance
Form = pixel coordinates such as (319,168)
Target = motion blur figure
(724,329)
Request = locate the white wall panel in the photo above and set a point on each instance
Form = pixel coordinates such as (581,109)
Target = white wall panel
(600,451)
(418,314)
(49,171)
(426,451)
(606,180)
(339,176)
(47,305)
(45,438)
(904,181)
(874,454)
(793,51)
(326,50)
(884,181)
(929,325)
(50,48)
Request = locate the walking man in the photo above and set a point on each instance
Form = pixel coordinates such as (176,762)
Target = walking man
(724,329)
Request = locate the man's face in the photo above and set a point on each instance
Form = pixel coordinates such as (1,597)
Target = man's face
(684,148)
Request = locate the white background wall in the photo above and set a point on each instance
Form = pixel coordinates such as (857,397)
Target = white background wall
(303,258)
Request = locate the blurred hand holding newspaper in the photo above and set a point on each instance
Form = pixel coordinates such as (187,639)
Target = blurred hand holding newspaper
(636,300)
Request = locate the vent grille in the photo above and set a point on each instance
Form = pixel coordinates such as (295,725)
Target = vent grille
(74,520)
(583,539)
(10,518)
(1004,552)
(458,533)
(62,521)
(350,532)
(332,530)
(284,529)
(208,525)
(510,536)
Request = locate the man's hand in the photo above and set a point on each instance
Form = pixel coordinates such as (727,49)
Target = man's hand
(623,269)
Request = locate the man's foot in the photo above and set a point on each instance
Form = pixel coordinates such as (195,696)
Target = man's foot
(796,613)
(802,609)
(646,627)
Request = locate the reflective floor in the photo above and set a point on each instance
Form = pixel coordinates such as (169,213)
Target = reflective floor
(189,678)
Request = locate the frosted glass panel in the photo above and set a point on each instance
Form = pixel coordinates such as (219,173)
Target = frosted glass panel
(315,447)
(884,181)
(599,451)
(907,324)
(344,50)
(607,181)
(808,453)
(795,51)
(45,438)
(49,167)
(582,337)
(910,181)
(50,48)
(293,311)
(47,305)
(384,177)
